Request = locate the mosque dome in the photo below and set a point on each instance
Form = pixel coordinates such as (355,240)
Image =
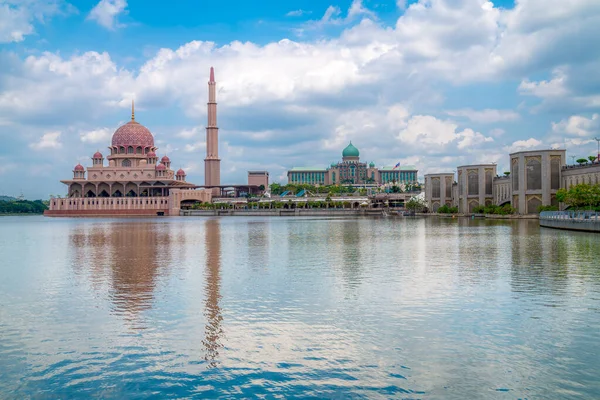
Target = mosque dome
(350,151)
(180,172)
(133,134)
(165,159)
(97,155)
(333,165)
(79,167)
(372,165)
(160,167)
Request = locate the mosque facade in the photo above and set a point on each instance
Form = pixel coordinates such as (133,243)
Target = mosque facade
(133,180)
(351,171)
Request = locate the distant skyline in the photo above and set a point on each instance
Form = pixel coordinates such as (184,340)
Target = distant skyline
(431,83)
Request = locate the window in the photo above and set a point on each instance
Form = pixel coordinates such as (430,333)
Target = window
(130,150)
(534,174)
(126,163)
(473,183)
(515,175)
(435,188)
(555,174)
(488,182)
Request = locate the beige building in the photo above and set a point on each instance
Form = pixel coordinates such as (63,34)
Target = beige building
(535,178)
(475,186)
(438,190)
(258,178)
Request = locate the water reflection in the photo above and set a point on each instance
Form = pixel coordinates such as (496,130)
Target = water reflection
(213,331)
(124,259)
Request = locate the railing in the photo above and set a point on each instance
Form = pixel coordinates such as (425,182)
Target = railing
(575,216)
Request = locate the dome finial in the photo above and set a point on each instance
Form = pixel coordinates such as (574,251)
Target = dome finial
(132,111)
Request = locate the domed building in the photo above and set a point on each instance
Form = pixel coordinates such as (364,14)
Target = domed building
(351,171)
(132,182)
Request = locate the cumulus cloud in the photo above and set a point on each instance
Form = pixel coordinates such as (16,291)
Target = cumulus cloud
(486,116)
(106,12)
(101,135)
(294,102)
(17,17)
(577,125)
(522,145)
(50,140)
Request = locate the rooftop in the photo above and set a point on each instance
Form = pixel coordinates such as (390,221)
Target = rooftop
(400,168)
(310,169)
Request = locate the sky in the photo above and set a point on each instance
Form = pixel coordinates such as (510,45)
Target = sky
(430,83)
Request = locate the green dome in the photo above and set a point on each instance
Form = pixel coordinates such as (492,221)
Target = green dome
(350,151)
(333,164)
(372,165)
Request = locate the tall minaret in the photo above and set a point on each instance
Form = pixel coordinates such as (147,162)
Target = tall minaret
(212,163)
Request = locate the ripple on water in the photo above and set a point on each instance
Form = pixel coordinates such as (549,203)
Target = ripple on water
(323,308)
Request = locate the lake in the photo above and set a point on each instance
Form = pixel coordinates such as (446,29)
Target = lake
(297,307)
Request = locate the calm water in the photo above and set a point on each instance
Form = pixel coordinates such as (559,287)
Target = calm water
(283,307)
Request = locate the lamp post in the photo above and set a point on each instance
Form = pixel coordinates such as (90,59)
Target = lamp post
(598,155)
(573,160)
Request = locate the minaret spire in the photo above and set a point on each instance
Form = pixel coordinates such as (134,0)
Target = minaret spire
(132,111)
(212,163)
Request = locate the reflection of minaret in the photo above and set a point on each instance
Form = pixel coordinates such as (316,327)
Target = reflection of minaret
(212,163)
(212,311)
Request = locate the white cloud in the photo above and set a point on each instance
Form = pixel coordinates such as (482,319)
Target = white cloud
(497,132)
(18,16)
(577,125)
(551,88)
(106,12)
(486,116)
(401,4)
(522,145)
(50,140)
(195,132)
(468,139)
(101,135)
(297,13)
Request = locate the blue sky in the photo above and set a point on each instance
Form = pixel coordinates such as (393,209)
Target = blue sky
(434,83)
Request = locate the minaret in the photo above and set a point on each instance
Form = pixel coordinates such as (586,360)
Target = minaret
(212,163)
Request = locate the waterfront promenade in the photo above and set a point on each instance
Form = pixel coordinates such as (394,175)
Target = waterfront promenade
(588,221)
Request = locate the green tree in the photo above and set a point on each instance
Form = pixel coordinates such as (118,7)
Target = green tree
(415,204)
(582,161)
(506,173)
(592,158)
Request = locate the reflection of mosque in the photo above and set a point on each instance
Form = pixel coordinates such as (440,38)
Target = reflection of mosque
(125,257)
(212,311)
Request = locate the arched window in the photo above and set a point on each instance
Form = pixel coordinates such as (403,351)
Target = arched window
(488,183)
(473,183)
(515,175)
(126,163)
(139,150)
(555,174)
(435,188)
(130,150)
(534,174)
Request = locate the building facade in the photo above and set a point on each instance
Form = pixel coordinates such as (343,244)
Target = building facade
(258,178)
(533,180)
(351,171)
(134,181)
(438,190)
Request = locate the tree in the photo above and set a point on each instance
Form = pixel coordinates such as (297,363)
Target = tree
(592,158)
(506,173)
(582,161)
(580,196)
(415,204)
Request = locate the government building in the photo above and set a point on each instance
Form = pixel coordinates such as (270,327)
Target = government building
(351,171)
(533,180)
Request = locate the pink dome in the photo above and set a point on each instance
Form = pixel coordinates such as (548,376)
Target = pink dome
(181,172)
(79,167)
(165,159)
(133,134)
(160,167)
(151,154)
(97,155)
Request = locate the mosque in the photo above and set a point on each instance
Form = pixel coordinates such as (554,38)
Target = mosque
(134,181)
(351,171)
